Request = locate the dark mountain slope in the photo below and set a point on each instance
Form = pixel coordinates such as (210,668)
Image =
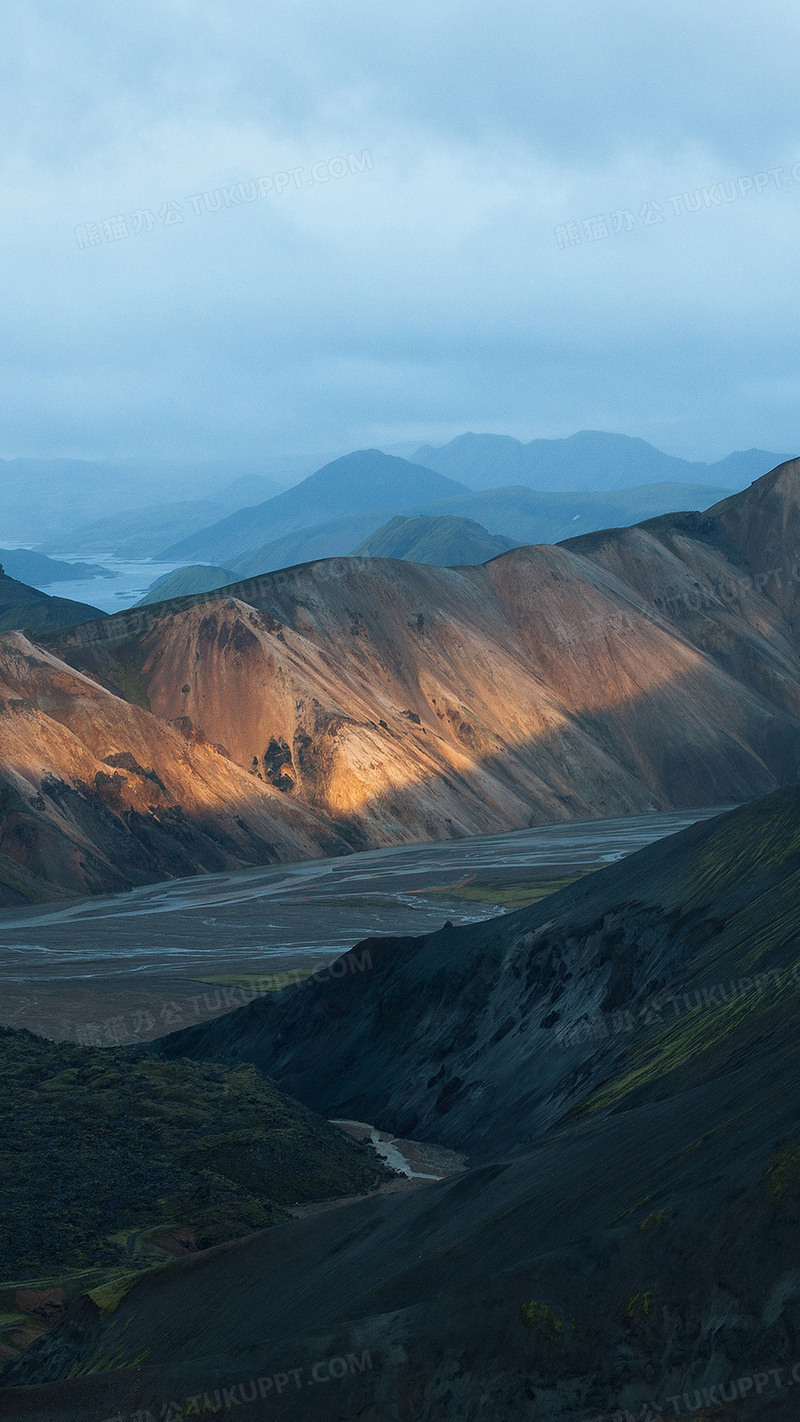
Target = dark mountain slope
(364,480)
(641,1249)
(457,1039)
(23,606)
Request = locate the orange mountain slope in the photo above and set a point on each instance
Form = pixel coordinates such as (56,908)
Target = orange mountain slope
(359,702)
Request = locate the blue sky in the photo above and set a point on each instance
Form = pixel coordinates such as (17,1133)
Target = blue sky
(437,285)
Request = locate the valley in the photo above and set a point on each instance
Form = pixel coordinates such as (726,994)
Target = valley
(115,970)
(400,963)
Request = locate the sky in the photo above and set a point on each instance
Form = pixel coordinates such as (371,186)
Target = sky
(369,224)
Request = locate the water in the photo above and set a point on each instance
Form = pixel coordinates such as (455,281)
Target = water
(132,578)
(129,967)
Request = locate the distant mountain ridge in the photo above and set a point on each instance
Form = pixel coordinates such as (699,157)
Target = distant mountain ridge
(518,514)
(591,460)
(364,480)
(37,570)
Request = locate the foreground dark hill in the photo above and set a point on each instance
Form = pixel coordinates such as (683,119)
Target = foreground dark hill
(460,1036)
(589,460)
(637,1253)
(116,1158)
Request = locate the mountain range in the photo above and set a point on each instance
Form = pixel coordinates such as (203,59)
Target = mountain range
(336,509)
(359,482)
(590,460)
(620,1061)
(366,701)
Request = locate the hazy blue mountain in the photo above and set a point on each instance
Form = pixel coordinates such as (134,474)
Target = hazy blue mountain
(591,460)
(199,578)
(139,533)
(527,516)
(443,540)
(361,481)
(42,500)
(518,514)
(25,607)
(39,571)
(325,540)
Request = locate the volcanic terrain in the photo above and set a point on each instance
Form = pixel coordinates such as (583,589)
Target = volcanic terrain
(366,702)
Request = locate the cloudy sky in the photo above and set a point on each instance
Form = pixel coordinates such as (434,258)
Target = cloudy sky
(426,252)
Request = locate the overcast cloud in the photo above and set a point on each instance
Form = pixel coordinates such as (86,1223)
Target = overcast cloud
(441,287)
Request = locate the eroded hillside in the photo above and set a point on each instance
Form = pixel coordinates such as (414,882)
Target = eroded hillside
(360,702)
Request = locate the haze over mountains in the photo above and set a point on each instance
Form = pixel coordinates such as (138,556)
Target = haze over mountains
(43,499)
(372,701)
(336,509)
(361,481)
(590,460)
(138,508)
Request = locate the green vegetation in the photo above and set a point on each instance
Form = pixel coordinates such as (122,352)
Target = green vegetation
(542,1321)
(638,1307)
(507,896)
(653,1221)
(123,669)
(783,1175)
(112,1156)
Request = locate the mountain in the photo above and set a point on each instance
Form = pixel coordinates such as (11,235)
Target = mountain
(444,541)
(528,516)
(356,483)
(518,514)
(23,606)
(37,569)
(707,905)
(590,460)
(140,533)
(366,702)
(333,539)
(97,794)
(622,1062)
(44,499)
(197,579)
